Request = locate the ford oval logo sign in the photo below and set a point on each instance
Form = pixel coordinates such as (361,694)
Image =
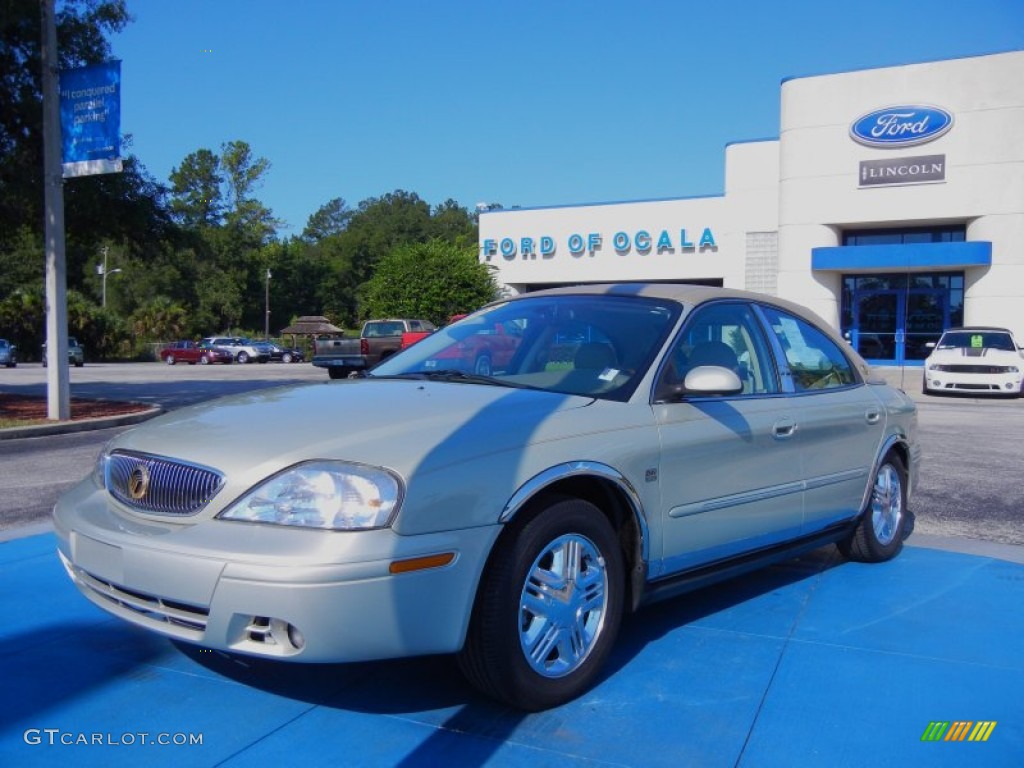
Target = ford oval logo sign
(901,126)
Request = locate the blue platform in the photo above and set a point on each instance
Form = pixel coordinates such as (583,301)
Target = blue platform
(815,662)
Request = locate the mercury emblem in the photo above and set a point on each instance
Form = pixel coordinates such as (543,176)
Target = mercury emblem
(138,482)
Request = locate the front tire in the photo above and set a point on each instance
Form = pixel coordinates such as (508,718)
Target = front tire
(548,608)
(169,359)
(204,360)
(286,357)
(882,527)
(243,357)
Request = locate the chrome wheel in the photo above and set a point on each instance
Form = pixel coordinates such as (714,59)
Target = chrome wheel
(169,360)
(563,605)
(886,504)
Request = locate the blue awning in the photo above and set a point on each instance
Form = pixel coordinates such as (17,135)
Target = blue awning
(909,256)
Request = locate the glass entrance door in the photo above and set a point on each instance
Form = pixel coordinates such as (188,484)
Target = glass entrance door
(894,326)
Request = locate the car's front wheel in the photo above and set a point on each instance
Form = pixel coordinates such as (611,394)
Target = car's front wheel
(204,359)
(243,357)
(879,534)
(548,608)
(286,357)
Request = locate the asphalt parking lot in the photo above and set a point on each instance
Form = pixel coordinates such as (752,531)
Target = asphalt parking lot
(816,661)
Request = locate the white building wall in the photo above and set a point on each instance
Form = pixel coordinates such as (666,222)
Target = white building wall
(984,186)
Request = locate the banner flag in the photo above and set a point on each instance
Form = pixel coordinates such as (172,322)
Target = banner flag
(90,119)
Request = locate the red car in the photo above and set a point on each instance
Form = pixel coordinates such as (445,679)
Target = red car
(483,352)
(190,352)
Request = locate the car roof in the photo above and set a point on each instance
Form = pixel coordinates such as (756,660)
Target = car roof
(684,293)
(986,328)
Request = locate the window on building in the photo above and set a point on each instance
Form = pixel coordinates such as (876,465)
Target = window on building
(956,233)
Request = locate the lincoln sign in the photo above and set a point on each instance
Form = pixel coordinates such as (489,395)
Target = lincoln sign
(927,169)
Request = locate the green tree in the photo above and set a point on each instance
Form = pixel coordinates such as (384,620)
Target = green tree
(196,198)
(432,280)
(331,218)
(159,320)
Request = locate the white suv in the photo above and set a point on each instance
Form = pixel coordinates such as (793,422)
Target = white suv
(243,349)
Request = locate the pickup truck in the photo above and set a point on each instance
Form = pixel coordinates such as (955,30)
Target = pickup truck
(377,340)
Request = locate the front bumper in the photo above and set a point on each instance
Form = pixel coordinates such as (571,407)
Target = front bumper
(355,363)
(973,383)
(301,595)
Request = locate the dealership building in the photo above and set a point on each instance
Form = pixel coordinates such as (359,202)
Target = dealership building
(892,204)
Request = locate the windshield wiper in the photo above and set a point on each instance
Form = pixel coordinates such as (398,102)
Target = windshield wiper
(453,375)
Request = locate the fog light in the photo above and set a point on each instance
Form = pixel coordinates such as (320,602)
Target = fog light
(286,634)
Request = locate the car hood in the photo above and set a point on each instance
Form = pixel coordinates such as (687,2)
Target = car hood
(405,425)
(975,356)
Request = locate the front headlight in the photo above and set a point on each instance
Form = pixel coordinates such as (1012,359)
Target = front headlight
(332,495)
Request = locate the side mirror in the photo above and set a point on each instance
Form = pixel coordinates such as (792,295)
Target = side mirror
(712,380)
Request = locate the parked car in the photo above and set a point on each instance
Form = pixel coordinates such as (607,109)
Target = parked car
(511,519)
(190,352)
(411,337)
(243,350)
(279,354)
(76,353)
(487,349)
(8,354)
(378,340)
(976,360)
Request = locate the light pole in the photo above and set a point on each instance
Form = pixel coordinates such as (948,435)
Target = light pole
(101,269)
(266,321)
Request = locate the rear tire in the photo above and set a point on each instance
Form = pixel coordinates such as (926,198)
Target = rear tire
(882,527)
(286,357)
(548,608)
(337,373)
(482,366)
(204,360)
(169,359)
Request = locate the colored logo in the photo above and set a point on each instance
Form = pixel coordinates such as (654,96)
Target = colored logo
(959,730)
(901,126)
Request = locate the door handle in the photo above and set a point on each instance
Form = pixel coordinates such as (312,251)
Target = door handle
(783,428)
(872,417)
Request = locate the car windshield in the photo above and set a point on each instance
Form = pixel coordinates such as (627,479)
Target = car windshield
(977,340)
(599,346)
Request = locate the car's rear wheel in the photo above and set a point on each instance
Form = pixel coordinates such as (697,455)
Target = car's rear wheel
(243,357)
(880,531)
(169,359)
(286,357)
(337,373)
(204,360)
(482,366)
(548,608)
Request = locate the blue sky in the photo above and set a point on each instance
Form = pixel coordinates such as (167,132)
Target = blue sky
(523,103)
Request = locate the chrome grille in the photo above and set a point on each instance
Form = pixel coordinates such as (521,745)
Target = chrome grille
(170,487)
(976,369)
